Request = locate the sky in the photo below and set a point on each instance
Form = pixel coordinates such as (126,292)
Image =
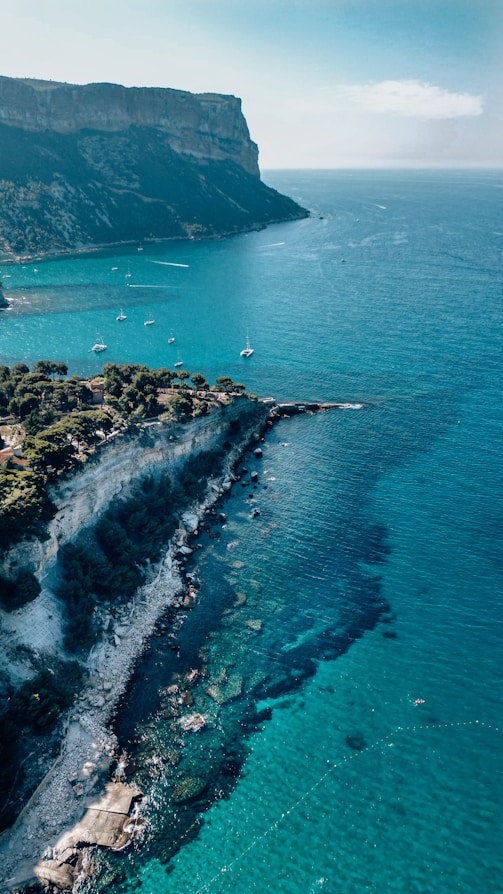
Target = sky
(323,83)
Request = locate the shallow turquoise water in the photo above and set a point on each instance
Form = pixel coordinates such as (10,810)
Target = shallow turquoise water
(375,565)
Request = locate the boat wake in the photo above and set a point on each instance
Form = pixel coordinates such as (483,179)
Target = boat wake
(168,263)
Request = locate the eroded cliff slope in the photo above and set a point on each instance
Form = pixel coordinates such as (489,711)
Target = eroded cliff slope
(85,495)
(101,164)
(39,674)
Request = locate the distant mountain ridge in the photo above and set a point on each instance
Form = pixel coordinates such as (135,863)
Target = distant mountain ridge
(101,164)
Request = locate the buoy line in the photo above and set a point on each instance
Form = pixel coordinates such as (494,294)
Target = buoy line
(384,741)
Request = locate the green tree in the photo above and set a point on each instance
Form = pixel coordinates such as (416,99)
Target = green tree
(18,592)
(199,382)
(27,404)
(32,381)
(19,370)
(225,383)
(50,367)
(38,419)
(164,377)
(50,451)
(180,406)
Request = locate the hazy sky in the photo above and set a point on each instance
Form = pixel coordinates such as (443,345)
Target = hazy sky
(324,83)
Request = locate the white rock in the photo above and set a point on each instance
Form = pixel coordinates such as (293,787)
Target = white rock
(190,521)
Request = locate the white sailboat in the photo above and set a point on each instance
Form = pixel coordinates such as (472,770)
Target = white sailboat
(149,322)
(99,345)
(171,338)
(179,361)
(121,316)
(248,351)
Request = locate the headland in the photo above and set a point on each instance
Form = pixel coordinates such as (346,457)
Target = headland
(79,794)
(95,165)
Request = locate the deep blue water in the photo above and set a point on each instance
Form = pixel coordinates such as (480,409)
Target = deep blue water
(375,566)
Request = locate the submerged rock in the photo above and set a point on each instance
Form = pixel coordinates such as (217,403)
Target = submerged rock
(192,675)
(254,624)
(191,723)
(226,691)
(188,788)
(356,741)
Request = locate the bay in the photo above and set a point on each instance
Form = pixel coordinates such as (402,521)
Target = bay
(363,751)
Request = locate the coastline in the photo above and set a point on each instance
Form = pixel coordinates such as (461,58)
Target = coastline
(110,247)
(40,835)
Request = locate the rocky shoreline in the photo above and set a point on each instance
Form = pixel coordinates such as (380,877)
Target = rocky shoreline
(42,847)
(77,806)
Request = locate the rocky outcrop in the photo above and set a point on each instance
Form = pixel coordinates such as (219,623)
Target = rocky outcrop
(101,164)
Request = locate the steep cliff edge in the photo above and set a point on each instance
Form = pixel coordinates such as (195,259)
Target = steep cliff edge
(84,496)
(31,638)
(101,164)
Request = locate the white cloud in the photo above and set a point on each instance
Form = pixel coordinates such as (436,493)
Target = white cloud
(412,98)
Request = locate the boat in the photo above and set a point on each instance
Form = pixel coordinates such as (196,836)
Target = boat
(179,362)
(121,316)
(248,351)
(171,338)
(99,345)
(148,322)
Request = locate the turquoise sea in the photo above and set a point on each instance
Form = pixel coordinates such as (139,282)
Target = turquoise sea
(348,638)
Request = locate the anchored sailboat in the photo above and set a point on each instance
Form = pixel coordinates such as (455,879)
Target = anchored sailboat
(248,351)
(99,345)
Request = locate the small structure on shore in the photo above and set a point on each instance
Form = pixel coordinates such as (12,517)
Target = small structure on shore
(107,822)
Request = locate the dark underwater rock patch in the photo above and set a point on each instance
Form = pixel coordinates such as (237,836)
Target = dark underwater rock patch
(356,741)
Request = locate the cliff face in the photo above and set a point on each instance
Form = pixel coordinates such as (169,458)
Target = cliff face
(31,638)
(80,501)
(206,125)
(101,163)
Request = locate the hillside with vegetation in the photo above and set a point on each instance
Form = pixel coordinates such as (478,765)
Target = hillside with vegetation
(50,424)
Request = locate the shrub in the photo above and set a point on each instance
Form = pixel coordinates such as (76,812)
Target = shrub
(15,593)
(39,702)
